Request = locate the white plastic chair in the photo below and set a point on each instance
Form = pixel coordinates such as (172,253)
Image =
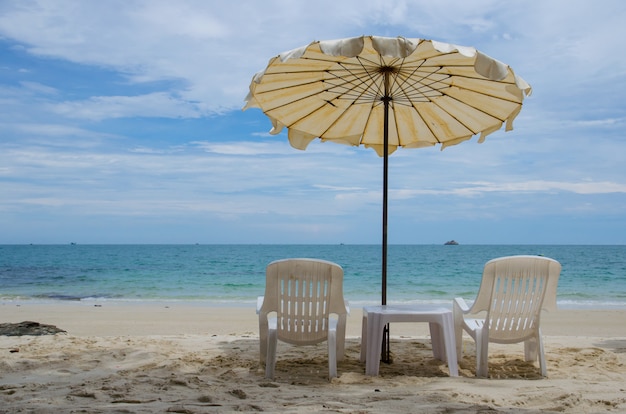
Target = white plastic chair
(513,292)
(303,305)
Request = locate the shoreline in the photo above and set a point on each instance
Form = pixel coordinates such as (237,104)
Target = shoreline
(566,304)
(177,318)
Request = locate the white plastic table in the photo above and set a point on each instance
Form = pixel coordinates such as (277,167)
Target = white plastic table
(440,322)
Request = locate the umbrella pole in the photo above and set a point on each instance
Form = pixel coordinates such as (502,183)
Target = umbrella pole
(386,352)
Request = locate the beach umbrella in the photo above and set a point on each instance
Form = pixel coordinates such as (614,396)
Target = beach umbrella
(384,93)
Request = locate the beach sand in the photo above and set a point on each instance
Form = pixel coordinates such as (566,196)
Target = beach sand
(119,358)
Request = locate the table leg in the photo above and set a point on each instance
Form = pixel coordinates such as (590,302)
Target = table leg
(450,344)
(375,326)
(364,337)
(437,340)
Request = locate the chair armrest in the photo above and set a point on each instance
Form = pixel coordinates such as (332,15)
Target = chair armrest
(459,305)
(259,303)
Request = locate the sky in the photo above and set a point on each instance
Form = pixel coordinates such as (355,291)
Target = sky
(121,122)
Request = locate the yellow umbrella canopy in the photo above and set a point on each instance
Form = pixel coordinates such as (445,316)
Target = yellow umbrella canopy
(384,93)
(437,93)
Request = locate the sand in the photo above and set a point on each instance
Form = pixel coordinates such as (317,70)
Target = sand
(120,358)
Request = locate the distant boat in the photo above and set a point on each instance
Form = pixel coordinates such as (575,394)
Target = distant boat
(451,243)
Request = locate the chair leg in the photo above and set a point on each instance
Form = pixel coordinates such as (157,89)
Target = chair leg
(263,328)
(332,354)
(341,337)
(270,360)
(263,349)
(530,350)
(534,350)
(482,352)
(458,319)
(458,336)
(542,357)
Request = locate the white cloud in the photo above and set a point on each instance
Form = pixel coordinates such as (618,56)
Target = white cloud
(158,104)
(607,122)
(543,186)
(242,148)
(39,88)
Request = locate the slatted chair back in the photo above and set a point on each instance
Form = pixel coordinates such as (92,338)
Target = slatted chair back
(513,291)
(303,293)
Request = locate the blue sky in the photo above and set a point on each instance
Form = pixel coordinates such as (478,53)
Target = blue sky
(121,122)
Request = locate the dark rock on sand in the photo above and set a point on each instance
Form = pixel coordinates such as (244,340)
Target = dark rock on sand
(28,328)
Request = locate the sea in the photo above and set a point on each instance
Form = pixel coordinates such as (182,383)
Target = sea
(592,277)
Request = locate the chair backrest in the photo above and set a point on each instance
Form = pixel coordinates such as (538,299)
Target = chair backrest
(303,293)
(513,291)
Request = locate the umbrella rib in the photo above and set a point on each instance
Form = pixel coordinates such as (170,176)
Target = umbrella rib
(371,89)
(361,83)
(412,94)
(405,80)
(474,132)
(352,88)
(481,78)
(356,87)
(443,92)
(359,88)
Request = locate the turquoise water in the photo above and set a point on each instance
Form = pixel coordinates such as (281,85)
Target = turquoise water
(592,276)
